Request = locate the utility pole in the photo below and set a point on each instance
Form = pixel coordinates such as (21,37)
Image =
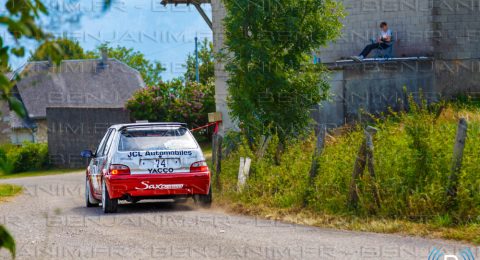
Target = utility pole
(197,73)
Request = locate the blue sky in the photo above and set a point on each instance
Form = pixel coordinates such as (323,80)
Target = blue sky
(161,33)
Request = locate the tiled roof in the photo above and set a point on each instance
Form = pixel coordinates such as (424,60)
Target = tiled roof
(76,83)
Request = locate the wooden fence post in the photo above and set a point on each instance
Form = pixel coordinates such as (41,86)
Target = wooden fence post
(263,146)
(278,153)
(457,160)
(243,172)
(364,158)
(218,160)
(320,144)
(369,133)
(358,169)
(214,149)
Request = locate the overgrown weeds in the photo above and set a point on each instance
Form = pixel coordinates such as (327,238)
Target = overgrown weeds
(412,160)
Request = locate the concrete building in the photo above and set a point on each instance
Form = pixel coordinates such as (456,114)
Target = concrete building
(438,40)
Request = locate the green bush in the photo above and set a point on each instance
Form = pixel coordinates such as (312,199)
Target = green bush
(174,101)
(412,161)
(272,83)
(28,157)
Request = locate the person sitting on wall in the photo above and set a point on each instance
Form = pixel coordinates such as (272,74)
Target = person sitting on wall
(382,42)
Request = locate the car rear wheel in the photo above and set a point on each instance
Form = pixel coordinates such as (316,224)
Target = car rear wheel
(108,205)
(204,201)
(90,201)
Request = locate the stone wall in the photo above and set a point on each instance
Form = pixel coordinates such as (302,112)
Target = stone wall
(72,130)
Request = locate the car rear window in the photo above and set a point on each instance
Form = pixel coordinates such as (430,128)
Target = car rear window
(141,139)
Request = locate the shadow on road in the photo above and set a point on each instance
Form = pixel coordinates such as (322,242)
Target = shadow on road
(139,208)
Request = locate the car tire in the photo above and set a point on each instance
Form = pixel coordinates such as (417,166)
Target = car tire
(108,205)
(90,201)
(204,201)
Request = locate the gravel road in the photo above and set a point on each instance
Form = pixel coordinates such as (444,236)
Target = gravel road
(49,221)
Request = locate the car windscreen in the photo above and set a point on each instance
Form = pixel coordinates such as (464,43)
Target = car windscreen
(141,139)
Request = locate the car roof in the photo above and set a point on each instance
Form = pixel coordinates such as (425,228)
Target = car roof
(123,126)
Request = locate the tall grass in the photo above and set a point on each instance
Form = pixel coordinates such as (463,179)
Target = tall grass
(412,160)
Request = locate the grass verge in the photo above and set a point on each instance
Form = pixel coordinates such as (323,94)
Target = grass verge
(469,233)
(38,173)
(9,190)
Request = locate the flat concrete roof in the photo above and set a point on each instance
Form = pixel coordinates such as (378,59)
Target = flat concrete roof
(164,2)
(349,62)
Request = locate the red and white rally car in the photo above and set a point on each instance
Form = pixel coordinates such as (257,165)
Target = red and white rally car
(146,161)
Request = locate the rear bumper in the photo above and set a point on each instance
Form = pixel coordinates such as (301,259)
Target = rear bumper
(158,185)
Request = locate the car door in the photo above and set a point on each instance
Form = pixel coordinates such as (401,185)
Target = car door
(98,164)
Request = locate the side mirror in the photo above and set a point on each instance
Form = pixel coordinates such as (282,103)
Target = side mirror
(86,154)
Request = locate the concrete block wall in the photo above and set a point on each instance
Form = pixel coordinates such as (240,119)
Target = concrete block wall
(409,20)
(454,77)
(435,28)
(375,91)
(457,27)
(374,87)
(448,31)
(332,112)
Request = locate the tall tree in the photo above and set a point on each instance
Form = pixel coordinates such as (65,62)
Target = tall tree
(273,84)
(19,19)
(64,48)
(206,63)
(150,70)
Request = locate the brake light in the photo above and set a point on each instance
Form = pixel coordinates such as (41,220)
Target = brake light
(119,169)
(199,167)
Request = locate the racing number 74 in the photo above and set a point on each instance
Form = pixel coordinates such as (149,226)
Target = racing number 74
(161,162)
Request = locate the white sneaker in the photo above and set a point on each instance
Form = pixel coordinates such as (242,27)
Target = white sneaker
(357,58)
